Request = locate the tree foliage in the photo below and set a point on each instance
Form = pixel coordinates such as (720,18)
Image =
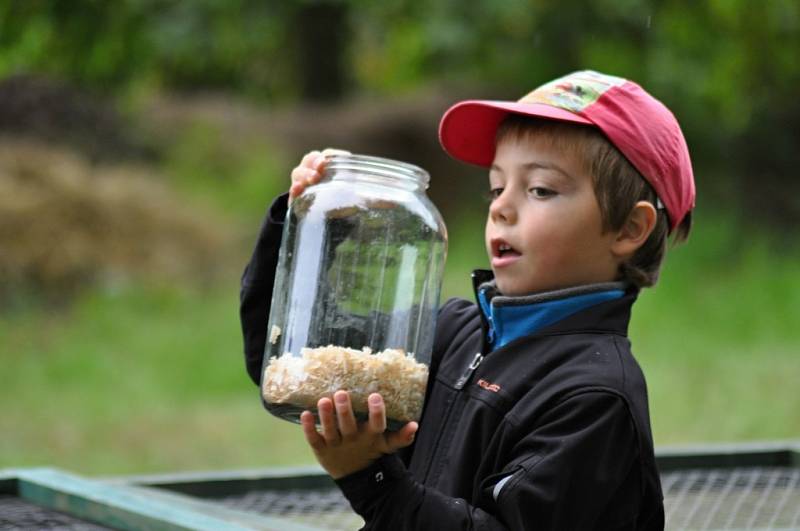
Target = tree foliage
(727,68)
(235,45)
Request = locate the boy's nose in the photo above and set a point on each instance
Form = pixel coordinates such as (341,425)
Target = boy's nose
(502,210)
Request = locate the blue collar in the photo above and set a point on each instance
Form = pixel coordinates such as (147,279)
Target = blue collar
(510,318)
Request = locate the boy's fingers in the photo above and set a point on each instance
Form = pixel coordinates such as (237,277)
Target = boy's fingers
(301,179)
(295,190)
(320,162)
(328,152)
(313,438)
(301,175)
(327,419)
(310,159)
(377,414)
(309,171)
(402,437)
(298,174)
(344,412)
(313,178)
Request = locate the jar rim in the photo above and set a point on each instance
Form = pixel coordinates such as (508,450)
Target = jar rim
(379,166)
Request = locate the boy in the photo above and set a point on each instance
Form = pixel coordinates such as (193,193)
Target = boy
(536,415)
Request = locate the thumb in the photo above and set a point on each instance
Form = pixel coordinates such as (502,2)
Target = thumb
(402,437)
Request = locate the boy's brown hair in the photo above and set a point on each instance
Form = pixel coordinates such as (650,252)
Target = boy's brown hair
(618,186)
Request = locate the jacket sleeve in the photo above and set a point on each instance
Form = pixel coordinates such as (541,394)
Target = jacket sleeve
(256,287)
(561,475)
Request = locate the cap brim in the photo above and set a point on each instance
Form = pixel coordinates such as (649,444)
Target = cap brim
(467,130)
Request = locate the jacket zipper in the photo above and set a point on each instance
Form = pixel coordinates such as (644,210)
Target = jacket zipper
(445,436)
(435,460)
(465,376)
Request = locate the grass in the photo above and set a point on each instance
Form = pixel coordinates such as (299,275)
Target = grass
(151,378)
(142,380)
(718,340)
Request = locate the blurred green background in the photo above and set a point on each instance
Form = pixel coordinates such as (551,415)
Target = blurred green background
(142,140)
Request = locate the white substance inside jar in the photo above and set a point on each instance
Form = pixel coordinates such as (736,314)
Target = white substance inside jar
(319,372)
(274,334)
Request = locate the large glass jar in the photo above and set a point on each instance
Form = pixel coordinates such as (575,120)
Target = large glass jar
(356,291)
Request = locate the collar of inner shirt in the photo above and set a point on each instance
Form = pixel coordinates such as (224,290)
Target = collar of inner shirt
(510,318)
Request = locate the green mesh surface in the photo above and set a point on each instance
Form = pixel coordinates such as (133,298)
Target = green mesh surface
(18,514)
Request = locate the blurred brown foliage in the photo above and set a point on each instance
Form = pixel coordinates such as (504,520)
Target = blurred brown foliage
(65,223)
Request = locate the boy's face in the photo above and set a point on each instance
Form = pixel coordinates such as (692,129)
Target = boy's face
(544,229)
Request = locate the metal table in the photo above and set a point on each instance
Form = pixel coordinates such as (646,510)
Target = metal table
(755,486)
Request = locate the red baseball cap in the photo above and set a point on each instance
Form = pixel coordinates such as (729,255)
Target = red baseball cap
(640,126)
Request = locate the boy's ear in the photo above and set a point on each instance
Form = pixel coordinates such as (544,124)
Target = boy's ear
(637,228)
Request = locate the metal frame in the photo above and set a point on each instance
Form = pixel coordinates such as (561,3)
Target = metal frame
(215,484)
(782,453)
(131,507)
(182,501)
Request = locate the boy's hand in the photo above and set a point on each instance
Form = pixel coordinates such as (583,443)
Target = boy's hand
(309,171)
(343,446)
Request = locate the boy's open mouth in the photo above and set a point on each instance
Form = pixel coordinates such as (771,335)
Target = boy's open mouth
(501,249)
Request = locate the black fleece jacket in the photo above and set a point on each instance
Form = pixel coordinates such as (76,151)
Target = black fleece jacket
(550,431)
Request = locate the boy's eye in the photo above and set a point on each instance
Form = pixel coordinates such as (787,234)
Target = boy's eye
(541,192)
(494,193)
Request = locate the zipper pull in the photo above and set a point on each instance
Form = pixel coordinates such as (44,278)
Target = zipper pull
(470,369)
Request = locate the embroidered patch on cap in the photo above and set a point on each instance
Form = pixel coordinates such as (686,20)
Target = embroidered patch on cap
(574,92)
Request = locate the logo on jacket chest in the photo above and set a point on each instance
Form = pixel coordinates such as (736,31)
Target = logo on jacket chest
(493,387)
